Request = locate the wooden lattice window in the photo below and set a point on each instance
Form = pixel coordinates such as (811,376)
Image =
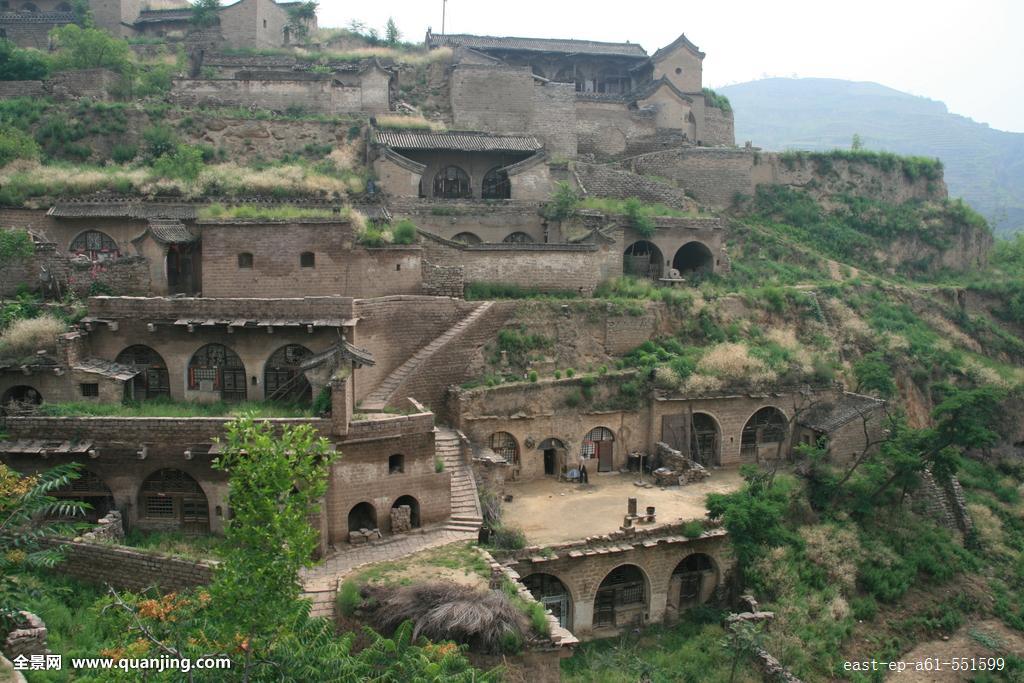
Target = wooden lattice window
(496,185)
(215,367)
(452,183)
(98,246)
(152,380)
(159,507)
(768,425)
(505,445)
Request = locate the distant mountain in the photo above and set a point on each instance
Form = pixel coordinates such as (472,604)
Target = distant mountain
(983,165)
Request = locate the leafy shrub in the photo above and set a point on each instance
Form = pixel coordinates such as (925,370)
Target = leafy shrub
(17,64)
(539,619)
(562,204)
(89,48)
(15,245)
(124,153)
(438,465)
(160,140)
(322,403)
(349,598)
(570,373)
(404,232)
(874,375)
(184,163)
(693,529)
(642,224)
(373,236)
(16,144)
(508,538)
(533,375)
(713,99)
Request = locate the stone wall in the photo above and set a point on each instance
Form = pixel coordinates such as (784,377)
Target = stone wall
(27,640)
(131,569)
(719,127)
(341,266)
(605,181)
(606,128)
(54,272)
(713,175)
(172,308)
(10,89)
(443,280)
(77,83)
(311,92)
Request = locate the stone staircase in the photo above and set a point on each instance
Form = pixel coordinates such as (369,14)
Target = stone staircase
(380,398)
(466,514)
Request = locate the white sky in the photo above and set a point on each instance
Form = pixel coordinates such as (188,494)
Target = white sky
(961,52)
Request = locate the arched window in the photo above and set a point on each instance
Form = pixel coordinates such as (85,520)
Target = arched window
(621,598)
(283,378)
(152,380)
(216,368)
(307,259)
(518,238)
(21,394)
(693,580)
(362,516)
(643,259)
(505,445)
(452,183)
(467,238)
(88,488)
(496,185)
(552,593)
(599,443)
(245,260)
(171,497)
(767,426)
(98,246)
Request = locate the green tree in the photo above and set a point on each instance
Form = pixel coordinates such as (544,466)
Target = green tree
(857,144)
(300,17)
(184,163)
(562,204)
(874,375)
(28,512)
(89,48)
(391,33)
(17,64)
(205,13)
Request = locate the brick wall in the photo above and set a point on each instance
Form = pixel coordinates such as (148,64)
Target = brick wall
(719,128)
(313,92)
(489,220)
(170,308)
(91,83)
(606,128)
(713,175)
(341,266)
(131,569)
(443,280)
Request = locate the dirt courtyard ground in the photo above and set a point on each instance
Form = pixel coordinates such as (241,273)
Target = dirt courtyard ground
(550,511)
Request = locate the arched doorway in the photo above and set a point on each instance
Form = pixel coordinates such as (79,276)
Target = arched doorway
(180,261)
(152,380)
(88,488)
(496,185)
(691,127)
(283,378)
(414,509)
(362,516)
(554,455)
(765,428)
(693,581)
(518,238)
(552,593)
(705,440)
(505,445)
(452,183)
(643,259)
(467,238)
(98,246)
(600,443)
(170,498)
(216,369)
(693,258)
(20,396)
(622,598)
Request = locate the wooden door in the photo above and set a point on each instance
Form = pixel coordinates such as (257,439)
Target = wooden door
(604,455)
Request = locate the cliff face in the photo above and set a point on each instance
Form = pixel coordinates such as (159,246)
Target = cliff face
(824,177)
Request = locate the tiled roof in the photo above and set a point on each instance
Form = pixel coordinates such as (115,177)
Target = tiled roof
(463,142)
(829,417)
(107,368)
(122,209)
(42,447)
(148,16)
(36,17)
(170,231)
(589,47)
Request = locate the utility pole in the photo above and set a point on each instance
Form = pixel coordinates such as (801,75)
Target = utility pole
(444,9)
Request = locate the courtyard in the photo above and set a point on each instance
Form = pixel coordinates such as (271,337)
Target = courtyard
(550,511)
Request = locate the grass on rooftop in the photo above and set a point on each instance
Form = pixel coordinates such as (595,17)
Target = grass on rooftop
(262,212)
(171,408)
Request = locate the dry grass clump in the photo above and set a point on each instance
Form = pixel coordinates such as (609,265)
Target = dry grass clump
(666,378)
(28,335)
(848,324)
(289,179)
(699,385)
(414,122)
(834,549)
(487,621)
(732,363)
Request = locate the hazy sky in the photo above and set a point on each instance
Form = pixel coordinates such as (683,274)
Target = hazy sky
(963,53)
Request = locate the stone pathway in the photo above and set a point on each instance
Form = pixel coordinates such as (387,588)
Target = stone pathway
(379,397)
(320,583)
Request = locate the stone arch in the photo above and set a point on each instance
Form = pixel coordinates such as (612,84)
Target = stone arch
(623,597)
(283,378)
(362,516)
(643,259)
(693,581)
(216,369)
(694,258)
(414,509)
(518,237)
(21,394)
(171,498)
(98,246)
(554,594)
(766,427)
(152,380)
(706,439)
(554,452)
(89,488)
(452,182)
(467,238)
(496,184)
(599,443)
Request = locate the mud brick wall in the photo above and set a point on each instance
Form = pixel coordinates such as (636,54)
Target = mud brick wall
(604,181)
(489,220)
(713,175)
(130,569)
(719,128)
(56,273)
(443,280)
(172,308)
(606,128)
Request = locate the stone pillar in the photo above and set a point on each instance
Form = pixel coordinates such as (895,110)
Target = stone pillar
(342,400)
(631,507)
(583,616)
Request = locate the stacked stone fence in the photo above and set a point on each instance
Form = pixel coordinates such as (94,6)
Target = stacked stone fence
(131,569)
